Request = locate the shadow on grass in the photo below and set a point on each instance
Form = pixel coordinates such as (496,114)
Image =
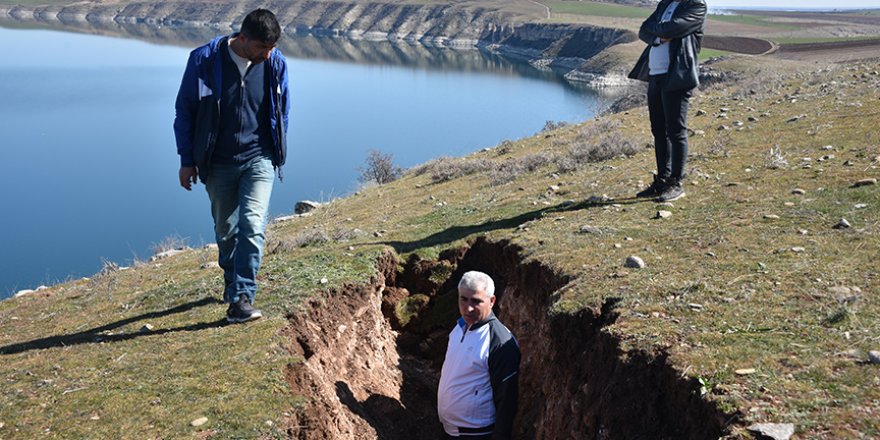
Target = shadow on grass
(94,335)
(454,233)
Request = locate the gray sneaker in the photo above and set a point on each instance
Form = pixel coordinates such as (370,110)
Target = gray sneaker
(242,311)
(673,191)
(654,189)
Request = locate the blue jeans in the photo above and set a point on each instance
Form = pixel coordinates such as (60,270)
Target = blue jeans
(239,195)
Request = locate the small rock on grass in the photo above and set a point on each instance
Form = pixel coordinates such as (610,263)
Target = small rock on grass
(634,262)
(587,229)
(874,357)
(842,224)
(199,421)
(147,328)
(865,182)
(798,192)
(775,431)
(663,214)
(771,216)
(745,371)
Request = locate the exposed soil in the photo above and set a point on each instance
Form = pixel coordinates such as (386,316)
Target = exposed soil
(366,377)
(752,46)
(836,51)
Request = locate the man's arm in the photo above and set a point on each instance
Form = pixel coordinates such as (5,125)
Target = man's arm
(644,31)
(185,108)
(504,376)
(685,23)
(285,90)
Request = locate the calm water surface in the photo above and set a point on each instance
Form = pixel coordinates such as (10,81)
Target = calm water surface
(89,160)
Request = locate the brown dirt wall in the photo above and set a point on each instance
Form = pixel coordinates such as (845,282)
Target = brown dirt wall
(365,377)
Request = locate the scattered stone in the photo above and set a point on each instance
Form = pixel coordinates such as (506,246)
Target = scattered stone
(753,119)
(745,371)
(617,246)
(865,182)
(95,417)
(663,214)
(798,192)
(553,188)
(771,216)
(210,265)
(210,246)
(827,148)
(860,205)
(842,224)
(634,262)
(798,249)
(874,357)
(788,204)
(377,234)
(775,431)
(666,205)
(305,206)
(598,199)
(2,425)
(587,229)
(323,281)
(166,254)
(23,292)
(738,123)
(695,306)
(826,158)
(796,118)
(701,113)
(724,109)
(848,163)
(711,254)
(699,133)
(803,232)
(723,128)
(627,238)
(147,328)
(199,421)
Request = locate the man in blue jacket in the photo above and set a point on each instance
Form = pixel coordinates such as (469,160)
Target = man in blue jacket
(230,126)
(674,34)
(479,383)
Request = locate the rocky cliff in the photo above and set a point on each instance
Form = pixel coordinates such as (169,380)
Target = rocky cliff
(506,31)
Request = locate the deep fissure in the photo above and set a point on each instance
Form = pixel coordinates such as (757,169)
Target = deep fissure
(372,356)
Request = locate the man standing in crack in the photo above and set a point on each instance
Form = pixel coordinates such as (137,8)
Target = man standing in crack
(674,33)
(479,383)
(230,125)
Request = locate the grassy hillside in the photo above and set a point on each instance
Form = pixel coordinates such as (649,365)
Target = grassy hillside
(747,274)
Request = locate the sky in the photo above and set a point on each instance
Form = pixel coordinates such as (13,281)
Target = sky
(795,4)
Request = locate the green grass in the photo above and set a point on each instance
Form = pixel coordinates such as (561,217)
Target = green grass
(597,9)
(705,54)
(754,20)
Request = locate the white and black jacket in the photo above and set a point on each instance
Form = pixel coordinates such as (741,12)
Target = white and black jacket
(479,388)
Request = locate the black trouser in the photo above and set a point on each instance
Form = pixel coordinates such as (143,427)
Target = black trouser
(668,110)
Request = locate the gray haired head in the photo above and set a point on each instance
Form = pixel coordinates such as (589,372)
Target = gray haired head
(474,281)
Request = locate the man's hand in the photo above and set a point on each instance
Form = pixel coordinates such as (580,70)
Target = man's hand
(188,176)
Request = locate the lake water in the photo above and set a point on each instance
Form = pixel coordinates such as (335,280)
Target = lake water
(88,153)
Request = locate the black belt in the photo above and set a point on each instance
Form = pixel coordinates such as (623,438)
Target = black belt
(477,431)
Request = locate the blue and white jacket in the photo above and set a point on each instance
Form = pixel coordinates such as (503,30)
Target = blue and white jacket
(197,117)
(479,382)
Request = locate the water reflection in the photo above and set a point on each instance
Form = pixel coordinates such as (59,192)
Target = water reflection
(331,48)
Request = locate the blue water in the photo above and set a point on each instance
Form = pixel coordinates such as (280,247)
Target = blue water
(89,161)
